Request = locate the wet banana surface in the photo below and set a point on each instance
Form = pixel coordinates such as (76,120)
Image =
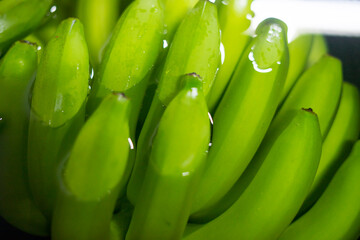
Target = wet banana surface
(174,119)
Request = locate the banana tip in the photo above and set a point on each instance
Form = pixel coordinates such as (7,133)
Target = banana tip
(310,110)
(194,74)
(28,42)
(119,94)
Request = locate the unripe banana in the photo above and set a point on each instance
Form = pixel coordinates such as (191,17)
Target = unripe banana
(244,113)
(57,109)
(318,49)
(17,72)
(99,18)
(19,18)
(130,55)
(285,166)
(91,176)
(299,50)
(319,87)
(128,60)
(175,166)
(234,18)
(336,214)
(195,48)
(341,137)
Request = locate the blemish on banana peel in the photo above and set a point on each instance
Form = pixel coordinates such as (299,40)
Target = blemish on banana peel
(194,74)
(120,95)
(309,110)
(28,42)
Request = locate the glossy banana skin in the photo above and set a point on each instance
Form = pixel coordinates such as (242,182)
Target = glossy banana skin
(17,72)
(57,109)
(234,18)
(337,144)
(131,52)
(288,157)
(128,60)
(91,176)
(199,33)
(99,18)
(14,27)
(195,48)
(336,214)
(130,55)
(175,166)
(319,87)
(299,50)
(244,114)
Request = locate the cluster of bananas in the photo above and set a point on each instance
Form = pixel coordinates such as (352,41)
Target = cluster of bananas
(139,120)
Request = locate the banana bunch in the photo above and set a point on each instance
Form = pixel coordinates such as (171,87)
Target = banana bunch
(170,120)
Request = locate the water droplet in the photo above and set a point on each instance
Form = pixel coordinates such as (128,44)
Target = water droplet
(53,9)
(211,120)
(256,66)
(165,44)
(185,174)
(131,144)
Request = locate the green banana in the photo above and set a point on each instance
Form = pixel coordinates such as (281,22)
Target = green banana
(318,49)
(175,166)
(336,215)
(99,18)
(128,60)
(234,20)
(130,55)
(91,177)
(57,109)
(337,144)
(285,168)
(252,96)
(319,87)
(195,48)
(299,50)
(17,72)
(19,18)
(344,131)
(202,43)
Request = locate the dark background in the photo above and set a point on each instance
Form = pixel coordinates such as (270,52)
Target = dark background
(347,49)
